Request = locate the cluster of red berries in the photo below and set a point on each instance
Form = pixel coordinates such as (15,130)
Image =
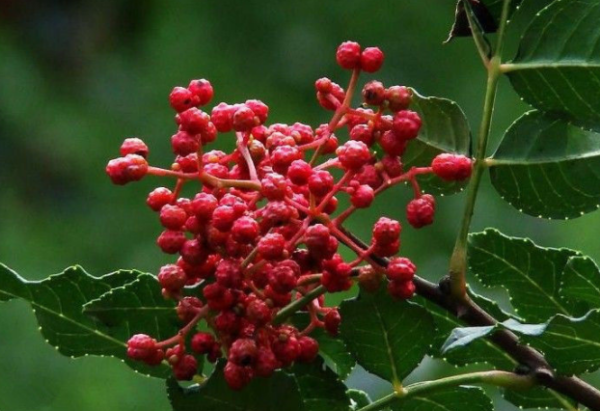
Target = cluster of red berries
(261,237)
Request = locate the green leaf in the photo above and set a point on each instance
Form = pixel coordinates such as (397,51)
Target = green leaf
(450,399)
(548,167)
(332,349)
(581,281)
(530,274)
(483,351)
(558,64)
(320,388)
(136,308)
(309,387)
(389,338)
(571,345)
(537,398)
(58,306)
(358,398)
(445,129)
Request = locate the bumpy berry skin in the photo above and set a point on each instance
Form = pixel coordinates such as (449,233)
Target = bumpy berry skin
(158,198)
(332,322)
(245,230)
(401,290)
(309,349)
(421,211)
(202,91)
(266,363)
(134,146)
(392,144)
(452,167)
(243,352)
(188,307)
(237,377)
(126,169)
(398,97)
(244,119)
(193,120)
(363,196)
(406,124)
(271,246)
(386,230)
(371,59)
(172,217)
(186,368)
(400,269)
(353,155)
(348,55)
(141,347)
(320,183)
(373,93)
(181,99)
(172,277)
(299,172)
(171,241)
(203,206)
(183,143)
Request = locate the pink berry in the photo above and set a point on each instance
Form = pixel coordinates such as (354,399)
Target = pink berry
(193,120)
(184,143)
(398,97)
(400,269)
(181,99)
(371,59)
(362,197)
(202,91)
(406,124)
(134,146)
(452,167)
(271,246)
(348,55)
(158,198)
(386,230)
(172,277)
(172,217)
(401,290)
(126,169)
(420,211)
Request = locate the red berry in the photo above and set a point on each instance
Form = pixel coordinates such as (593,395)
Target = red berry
(373,93)
(317,236)
(245,230)
(386,230)
(134,146)
(203,206)
(353,155)
(332,321)
(402,290)
(126,169)
(141,347)
(202,343)
(400,269)
(323,85)
(181,99)
(244,119)
(348,55)
(171,241)
(222,117)
(362,133)
(158,198)
(266,362)
(218,297)
(309,349)
(243,352)
(392,144)
(392,165)
(193,120)
(260,109)
(452,167)
(188,307)
(184,143)
(406,124)
(299,172)
(172,277)
(286,350)
(271,246)
(223,217)
(283,277)
(283,156)
(362,197)
(371,59)
(420,211)
(202,91)
(172,217)
(398,97)
(193,252)
(237,377)
(258,312)
(320,183)
(185,368)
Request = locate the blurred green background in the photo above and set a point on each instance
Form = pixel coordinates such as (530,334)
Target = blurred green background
(78,76)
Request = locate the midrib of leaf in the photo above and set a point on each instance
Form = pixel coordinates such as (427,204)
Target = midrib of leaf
(536,285)
(584,278)
(395,379)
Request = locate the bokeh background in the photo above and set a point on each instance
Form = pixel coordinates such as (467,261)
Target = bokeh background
(78,76)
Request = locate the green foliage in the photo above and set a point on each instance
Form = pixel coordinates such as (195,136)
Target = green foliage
(445,129)
(452,399)
(58,306)
(546,166)
(581,281)
(308,387)
(530,274)
(389,338)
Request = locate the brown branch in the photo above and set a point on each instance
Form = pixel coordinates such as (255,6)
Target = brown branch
(472,314)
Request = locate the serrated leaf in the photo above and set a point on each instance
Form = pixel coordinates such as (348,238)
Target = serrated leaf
(571,345)
(58,305)
(445,129)
(487,12)
(530,274)
(332,349)
(461,337)
(389,338)
(558,64)
(450,399)
(358,398)
(137,307)
(320,388)
(483,351)
(310,387)
(581,281)
(546,166)
(537,398)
